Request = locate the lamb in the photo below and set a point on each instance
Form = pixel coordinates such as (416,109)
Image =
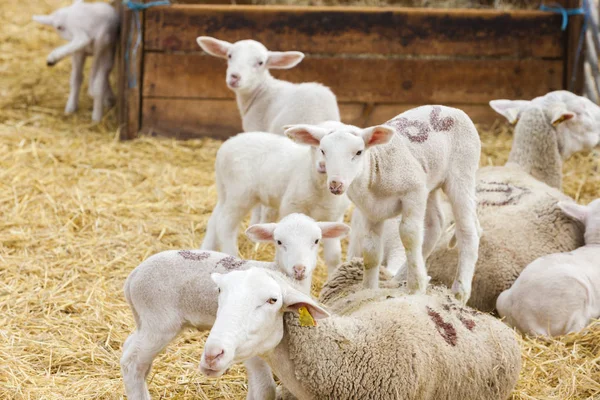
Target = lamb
(559,293)
(518,202)
(382,344)
(435,148)
(285,179)
(267,104)
(172,289)
(91,29)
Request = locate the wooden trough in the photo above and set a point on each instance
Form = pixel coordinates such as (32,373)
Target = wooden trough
(378,61)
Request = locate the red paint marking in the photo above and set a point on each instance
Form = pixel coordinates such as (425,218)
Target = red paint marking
(404,127)
(231,263)
(440,124)
(189,255)
(445,329)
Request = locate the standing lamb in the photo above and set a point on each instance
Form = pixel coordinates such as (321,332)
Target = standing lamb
(518,202)
(559,293)
(382,344)
(263,168)
(265,103)
(399,168)
(172,290)
(91,29)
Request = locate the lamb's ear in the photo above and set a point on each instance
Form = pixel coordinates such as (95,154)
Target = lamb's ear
(510,109)
(294,300)
(44,19)
(305,134)
(333,230)
(376,135)
(214,47)
(574,210)
(261,232)
(561,115)
(284,59)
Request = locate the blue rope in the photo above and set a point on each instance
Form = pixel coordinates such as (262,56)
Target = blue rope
(565,12)
(136,26)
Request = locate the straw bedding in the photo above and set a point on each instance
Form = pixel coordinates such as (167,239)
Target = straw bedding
(79,210)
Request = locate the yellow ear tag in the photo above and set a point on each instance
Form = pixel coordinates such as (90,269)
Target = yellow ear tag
(305,318)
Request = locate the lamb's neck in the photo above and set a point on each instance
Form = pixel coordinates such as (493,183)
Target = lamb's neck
(537,153)
(363,180)
(246,100)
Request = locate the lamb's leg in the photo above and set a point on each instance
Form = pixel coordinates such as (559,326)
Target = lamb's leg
(139,352)
(79,42)
(77,62)
(372,250)
(461,192)
(414,206)
(227,227)
(255,217)
(434,221)
(261,385)
(103,67)
(357,224)
(332,250)
(210,241)
(268,214)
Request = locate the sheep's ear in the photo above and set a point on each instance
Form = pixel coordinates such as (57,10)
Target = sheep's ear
(574,210)
(216,277)
(559,116)
(294,301)
(377,135)
(261,232)
(284,59)
(305,134)
(214,47)
(510,109)
(44,19)
(333,230)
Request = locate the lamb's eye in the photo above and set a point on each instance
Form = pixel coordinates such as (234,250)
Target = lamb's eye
(60,28)
(229,56)
(272,300)
(279,242)
(317,241)
(260,62)
(322,151)
(358,153)
(219,290)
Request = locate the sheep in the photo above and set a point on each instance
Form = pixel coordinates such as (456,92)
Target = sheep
(284,178)
(435,148)
(172,290)
(518,201)
(267,104)
(379,344)
(558,293)
(91,29)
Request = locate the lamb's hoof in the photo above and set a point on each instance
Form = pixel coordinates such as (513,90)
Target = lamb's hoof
(461,293)
(50,63)
(70,110)
(109,102)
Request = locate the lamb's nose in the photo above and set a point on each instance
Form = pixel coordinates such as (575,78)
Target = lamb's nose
(299,271)
(336,187)
(213,355)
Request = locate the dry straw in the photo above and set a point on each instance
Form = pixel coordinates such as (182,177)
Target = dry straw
(79,210)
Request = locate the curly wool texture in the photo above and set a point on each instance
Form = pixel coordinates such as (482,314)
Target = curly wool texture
(405,347)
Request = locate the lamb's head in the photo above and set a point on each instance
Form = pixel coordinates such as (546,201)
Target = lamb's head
(588,215)
(248,61)
(250,317)
(575,118)
(297,238)
(343,147)
(61,20)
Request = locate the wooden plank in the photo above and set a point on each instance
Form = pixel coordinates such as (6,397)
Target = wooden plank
(359,30)
(367,80)
(220,119)
(574,65)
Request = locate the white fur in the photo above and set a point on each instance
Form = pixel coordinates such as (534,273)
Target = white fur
(559,293)
(386,174)
(171,290)
(91,29)
(263,168)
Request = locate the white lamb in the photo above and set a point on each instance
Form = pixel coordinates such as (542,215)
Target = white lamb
(559,293)
(91,29)
(173,289)
(398,168)
(263,168)
(265,103)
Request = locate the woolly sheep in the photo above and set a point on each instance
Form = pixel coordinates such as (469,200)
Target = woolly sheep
(265,103)
(91,29)
(285,179)
(559,293)
(381,343)
(172,289)
(518,202)
(435,147)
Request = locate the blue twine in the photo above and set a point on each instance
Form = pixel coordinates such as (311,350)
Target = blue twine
(565,12)
(137,27)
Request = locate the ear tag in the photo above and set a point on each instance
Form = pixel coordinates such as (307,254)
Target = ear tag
(305,318)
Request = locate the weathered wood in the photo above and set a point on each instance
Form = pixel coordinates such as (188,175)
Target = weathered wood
(367,80)
(574,65)
(359,30)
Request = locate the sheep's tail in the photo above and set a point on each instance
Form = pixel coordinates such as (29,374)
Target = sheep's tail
(127,291)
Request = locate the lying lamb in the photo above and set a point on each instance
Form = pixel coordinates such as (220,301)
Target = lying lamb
(387,345)
(172,289)
(518,202)
(559,293)
(91,29)
(265,103)
(263,168)
(398,168)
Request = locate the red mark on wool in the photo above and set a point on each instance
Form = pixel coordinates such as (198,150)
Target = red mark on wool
(440,124)
(190,255)
(420,130)
(445,329)
(468,323)
(231,263)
